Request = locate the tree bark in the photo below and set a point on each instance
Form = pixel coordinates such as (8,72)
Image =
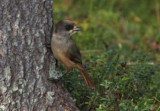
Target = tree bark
(25,63)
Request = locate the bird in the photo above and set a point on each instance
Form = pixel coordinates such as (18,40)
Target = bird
(66,51)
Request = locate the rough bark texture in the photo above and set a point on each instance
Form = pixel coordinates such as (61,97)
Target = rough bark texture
(25,63)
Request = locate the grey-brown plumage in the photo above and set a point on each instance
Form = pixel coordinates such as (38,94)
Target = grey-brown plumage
(66,51)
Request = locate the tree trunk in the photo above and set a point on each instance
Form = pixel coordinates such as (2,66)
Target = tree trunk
(25,63)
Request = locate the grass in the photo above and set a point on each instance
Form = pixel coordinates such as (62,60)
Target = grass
(120,47)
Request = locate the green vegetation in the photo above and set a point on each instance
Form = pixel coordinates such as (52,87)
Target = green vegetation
(120,44)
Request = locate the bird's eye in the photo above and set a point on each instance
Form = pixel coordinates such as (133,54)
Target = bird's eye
(69,27)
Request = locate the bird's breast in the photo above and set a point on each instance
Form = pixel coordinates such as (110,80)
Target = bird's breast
(59,46)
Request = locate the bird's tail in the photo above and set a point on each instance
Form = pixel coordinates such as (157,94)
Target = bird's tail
(86,77)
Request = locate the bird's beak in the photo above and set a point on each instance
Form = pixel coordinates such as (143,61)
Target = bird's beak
(75,28)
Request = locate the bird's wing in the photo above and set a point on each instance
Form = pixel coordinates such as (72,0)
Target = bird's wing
(74,54)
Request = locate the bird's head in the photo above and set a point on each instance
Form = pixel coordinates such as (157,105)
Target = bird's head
(67,27)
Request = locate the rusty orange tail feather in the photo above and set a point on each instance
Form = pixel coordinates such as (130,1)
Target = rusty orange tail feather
(86,77)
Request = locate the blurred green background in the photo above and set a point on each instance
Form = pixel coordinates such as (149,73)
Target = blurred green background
(120,45)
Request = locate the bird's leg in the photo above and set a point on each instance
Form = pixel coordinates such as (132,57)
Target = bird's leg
(56,64)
